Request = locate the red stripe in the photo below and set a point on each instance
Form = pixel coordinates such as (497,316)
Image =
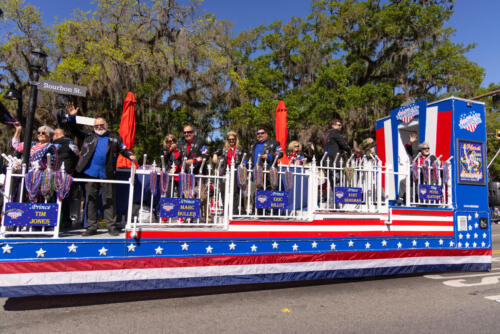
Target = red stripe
(281,234)
(423,212)
(380,137)
(421,223)
(443,139)
(374,221)
(178,262)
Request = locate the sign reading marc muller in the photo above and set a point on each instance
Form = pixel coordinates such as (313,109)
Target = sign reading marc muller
(62,88)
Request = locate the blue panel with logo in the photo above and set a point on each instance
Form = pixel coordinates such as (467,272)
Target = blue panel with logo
(30,214)
(348,195)
(430,192)
(269,199)
(173,207)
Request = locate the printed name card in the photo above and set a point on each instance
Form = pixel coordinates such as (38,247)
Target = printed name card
(348,195)
(173,207)
(430,192)
(30,214)
(268,199)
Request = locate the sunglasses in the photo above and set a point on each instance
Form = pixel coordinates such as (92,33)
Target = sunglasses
(338,124)
(296,146)
(260,133)
(41,133)
(98,126)
(188,132)
(231,139)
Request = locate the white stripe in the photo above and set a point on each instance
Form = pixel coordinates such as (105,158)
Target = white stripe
(496,298)
(420,228)
(431,128)
(389,159)
(423,218)
(7,280)
(304,228)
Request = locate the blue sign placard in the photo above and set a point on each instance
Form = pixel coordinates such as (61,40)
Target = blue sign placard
(268,199)
(471,162)
(348,195)
(30,214)
(430,192)
(173,207)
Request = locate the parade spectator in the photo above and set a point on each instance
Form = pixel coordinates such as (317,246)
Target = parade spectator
(193,149)
(295,152)
(68,154)
(265,148)
(39,149)
(333,142)
(98,156)
(231,151)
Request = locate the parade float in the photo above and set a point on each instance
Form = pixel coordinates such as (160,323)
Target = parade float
(276,223)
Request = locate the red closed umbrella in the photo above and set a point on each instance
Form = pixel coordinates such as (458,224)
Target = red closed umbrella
(281,130)
(127,129)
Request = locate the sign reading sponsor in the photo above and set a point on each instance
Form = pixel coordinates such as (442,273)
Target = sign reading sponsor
(30,214)
(469,121)
(62,87)
(173,207)
(348,195)
(430,192)
(268,199)
(471,162)
(409,111)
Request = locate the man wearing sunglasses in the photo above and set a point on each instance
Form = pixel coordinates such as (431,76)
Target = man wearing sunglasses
(265,149)
(98,156)
(193,148)
(334,143)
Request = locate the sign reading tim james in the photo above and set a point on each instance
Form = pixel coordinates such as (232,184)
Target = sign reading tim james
(62,87)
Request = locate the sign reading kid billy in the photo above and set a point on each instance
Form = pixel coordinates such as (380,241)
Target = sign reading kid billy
(268,199)
(30,214)
(173,207)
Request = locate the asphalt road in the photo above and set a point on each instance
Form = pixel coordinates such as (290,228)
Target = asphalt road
(448,303)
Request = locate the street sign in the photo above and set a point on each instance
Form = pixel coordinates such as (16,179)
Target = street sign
(62,87)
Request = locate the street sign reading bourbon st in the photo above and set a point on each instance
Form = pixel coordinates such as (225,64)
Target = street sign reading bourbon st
(62,87)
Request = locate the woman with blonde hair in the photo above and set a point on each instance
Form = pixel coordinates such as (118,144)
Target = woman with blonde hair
(295,152)
(170,152)
(231,151)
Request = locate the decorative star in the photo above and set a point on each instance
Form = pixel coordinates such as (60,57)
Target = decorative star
(332,246)
(414,242)
(467,236)
(102,251)
(483,244)
(476,215)
(460,236)
(232,246)
(441,241)
(470,227)
(184,246)
(466,245)
(427,244)
(159,250)
(470,217)
(476,235)
(131,247)
(451,243)
(40,253)
(351,243)
(314,244)
(209,249)
(367,245)
(484,235)
(7,248)
(384,243)
(253,248)
(275,245)
(400,245)
(295,247)
(476,225)
(474,244)
(459,244)
(72,248)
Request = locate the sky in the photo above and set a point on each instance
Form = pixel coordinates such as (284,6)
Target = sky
(475,21)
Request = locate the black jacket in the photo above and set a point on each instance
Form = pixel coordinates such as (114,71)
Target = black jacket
(198,152)
(115,147)
(333,143)
(271,147)
(67,152)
